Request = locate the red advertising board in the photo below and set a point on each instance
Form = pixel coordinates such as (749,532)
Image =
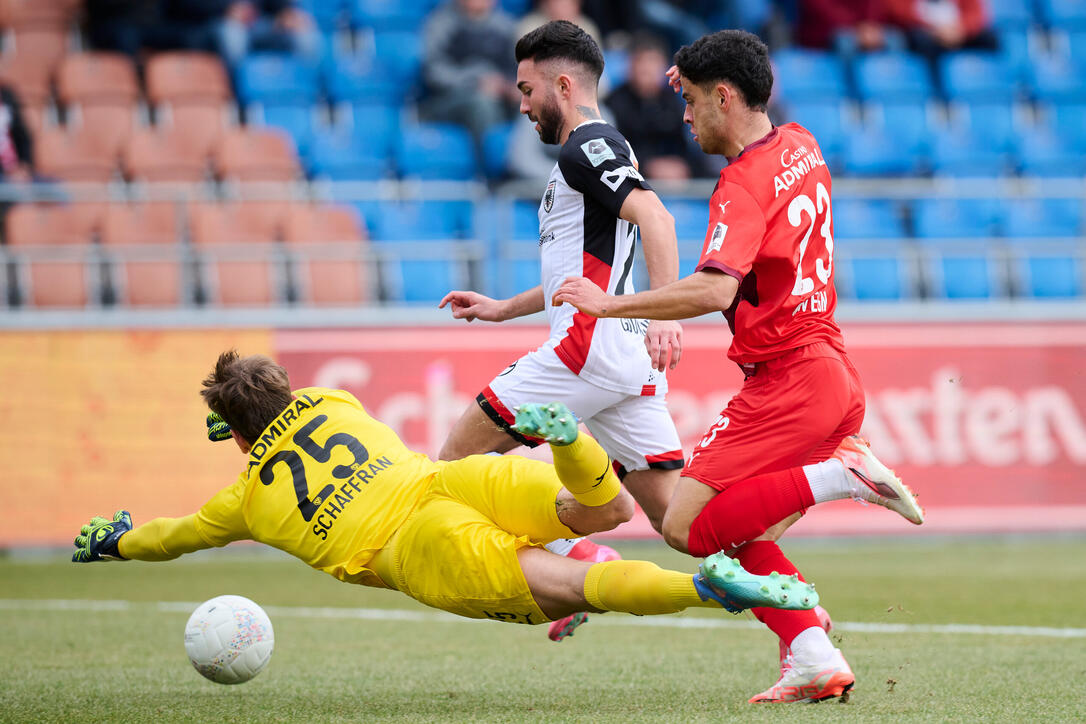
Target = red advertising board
(987,422)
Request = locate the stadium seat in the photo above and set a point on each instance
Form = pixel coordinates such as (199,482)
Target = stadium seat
(345,154)
(872,151)
(909,124)
(874,277)
(1016,46)
(255,154)
(972,77)
(616,67)
(1044,153)
(1011,13)
(401,54)
(111,125)
(199,127)
(75,156)
(855,218)
(276,78)
(154,155)
(30,59)
(808,76)
(525,221)
(1043,218)
(893,78)
(421,273)
(97,78)
(1068,120)
(691,218)
(1044,273)
(963,152)
(186,77)
(54,256)
(496,150)
(142,242)
(826,121)
(360,78)
(238,253)
(1066,14)
(329,254)
(389,15)
(422,220)
(1056,80)
(436,151)
(330,15)
(960,275)
(949,218)
(299,121)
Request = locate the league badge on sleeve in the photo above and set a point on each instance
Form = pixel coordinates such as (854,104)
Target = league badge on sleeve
(597,151)
(717,239)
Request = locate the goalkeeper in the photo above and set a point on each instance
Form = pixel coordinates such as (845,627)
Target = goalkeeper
(334,487)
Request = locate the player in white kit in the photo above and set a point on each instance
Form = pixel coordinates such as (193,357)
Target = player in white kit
(609,372)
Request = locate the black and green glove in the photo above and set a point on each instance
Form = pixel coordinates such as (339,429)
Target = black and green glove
(98,539)
(217,428)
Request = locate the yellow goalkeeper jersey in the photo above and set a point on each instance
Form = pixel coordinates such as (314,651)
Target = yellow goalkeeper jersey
(325,482)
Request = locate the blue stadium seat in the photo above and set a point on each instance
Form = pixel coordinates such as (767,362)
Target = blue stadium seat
(1017,49)
(330,15)
(342,154)
(436,151)
(894,78)
(616,66)
(1056,80)
(961,151)
(525,220)
(808,75)
(1044,153)
(516,8)
(691,218)
(965,276)
(401,53)
(826,121)
(421,220)
(1069,121)
(1040,218)
(378,125)
(881,277)
(975,77)
(358,77)
(298,120)
(948,218)
(1049,274)
(1068,14)
(867,219)
(410,279)
(871,151)
(276,78)
(909,124)
(496,150)
(1011,13)
(385,15)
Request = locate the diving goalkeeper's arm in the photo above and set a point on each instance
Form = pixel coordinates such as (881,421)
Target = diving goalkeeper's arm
(161,539)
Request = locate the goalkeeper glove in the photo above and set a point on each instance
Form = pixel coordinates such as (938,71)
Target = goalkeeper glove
(217,428)
(98,539)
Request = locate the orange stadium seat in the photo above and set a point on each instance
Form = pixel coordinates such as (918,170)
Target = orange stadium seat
(199,126)
(97,78)
(53,255)
(236,248)
(29,61)
(38,13)
(256,155)
(161,155)
(110,124)
(143,241)
(327,245)
(185,78)
(73,155)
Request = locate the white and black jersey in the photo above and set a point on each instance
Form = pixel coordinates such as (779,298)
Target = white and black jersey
(581,234)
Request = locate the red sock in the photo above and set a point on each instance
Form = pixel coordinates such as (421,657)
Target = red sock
(762,557)
(745,510)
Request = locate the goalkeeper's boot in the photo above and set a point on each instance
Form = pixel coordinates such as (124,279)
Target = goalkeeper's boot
(725,581)
(823,620)
(801,682)
(584,550)
(876,483)
(552,422)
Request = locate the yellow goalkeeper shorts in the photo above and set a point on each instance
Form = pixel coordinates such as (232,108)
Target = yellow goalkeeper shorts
(458,550)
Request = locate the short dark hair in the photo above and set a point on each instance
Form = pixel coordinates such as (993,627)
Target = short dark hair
(247,392)
(734,56)
(561,40)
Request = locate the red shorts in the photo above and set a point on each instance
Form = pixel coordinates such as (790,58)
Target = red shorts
(792,411)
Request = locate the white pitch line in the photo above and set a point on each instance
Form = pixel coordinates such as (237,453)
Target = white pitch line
(397,614)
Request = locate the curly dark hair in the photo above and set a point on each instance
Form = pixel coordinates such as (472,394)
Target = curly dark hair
(247,392)
(561,39)
(734,56)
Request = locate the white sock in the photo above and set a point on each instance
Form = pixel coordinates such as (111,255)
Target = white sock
(829,481)
(562,546)
(811,646)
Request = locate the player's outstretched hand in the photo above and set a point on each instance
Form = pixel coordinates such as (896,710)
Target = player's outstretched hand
(98,539)
(217,428)
(664,342)
(673,79)
(472,305)
(583,294)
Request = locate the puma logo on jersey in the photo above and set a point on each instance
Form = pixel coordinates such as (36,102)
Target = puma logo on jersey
(724,206)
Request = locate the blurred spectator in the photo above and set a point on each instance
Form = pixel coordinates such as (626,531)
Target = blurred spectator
(681,22)
(468,65)
(933,27)
(119,25)
(16,143)
(650,115)
(826,23)
(547,10)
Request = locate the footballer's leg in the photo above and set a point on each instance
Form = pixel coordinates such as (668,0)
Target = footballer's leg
(476,433)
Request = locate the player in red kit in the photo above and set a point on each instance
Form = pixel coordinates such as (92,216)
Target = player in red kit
(767,264)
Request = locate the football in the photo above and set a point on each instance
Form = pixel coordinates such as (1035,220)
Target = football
(229,639)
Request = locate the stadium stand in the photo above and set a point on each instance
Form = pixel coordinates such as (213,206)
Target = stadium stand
(146,265)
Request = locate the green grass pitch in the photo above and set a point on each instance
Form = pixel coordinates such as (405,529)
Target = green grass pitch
(68,659)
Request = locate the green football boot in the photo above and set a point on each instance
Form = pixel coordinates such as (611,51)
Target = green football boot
(725,581)
(551,421)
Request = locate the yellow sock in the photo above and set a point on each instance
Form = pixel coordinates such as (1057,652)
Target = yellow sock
(641,588)
(585,470)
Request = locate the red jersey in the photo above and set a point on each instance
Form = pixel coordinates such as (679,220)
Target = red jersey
(770,227)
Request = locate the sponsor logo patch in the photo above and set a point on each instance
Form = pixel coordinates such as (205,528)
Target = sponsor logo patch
(548,197)
(597,151)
